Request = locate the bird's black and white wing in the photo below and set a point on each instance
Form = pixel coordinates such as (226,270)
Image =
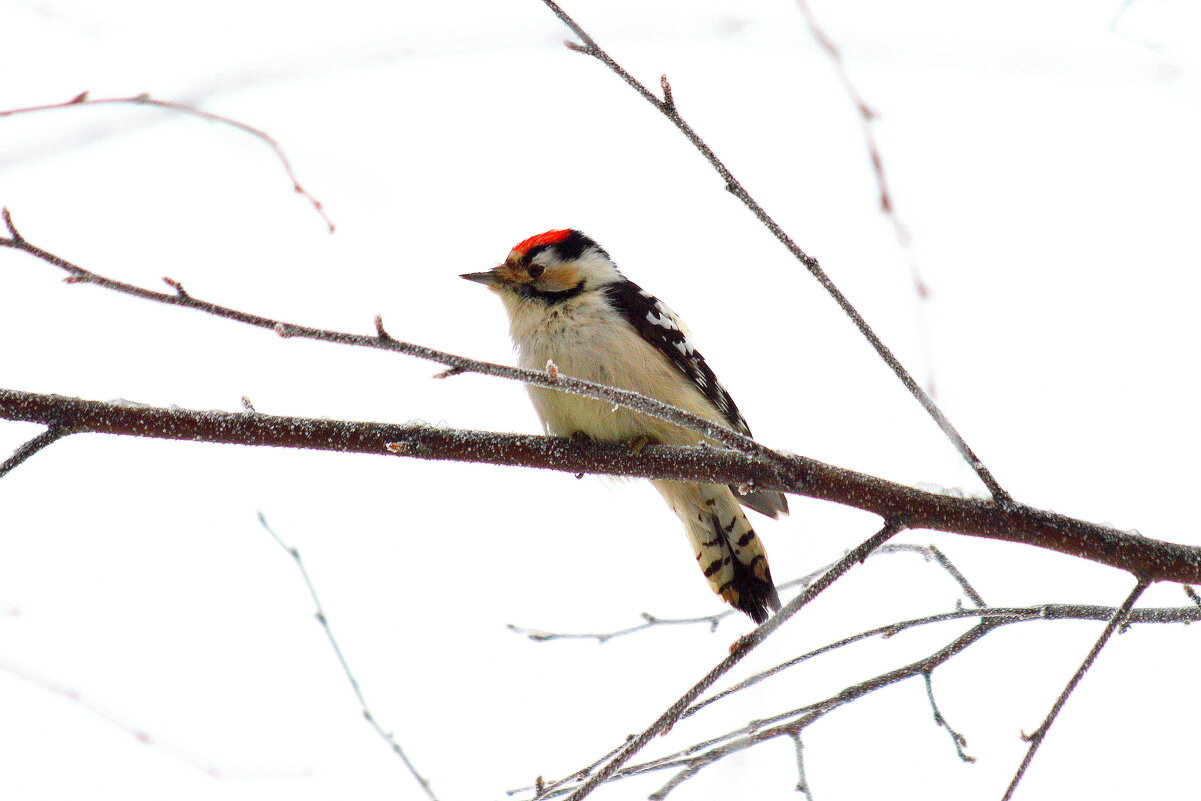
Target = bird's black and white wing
(658,325)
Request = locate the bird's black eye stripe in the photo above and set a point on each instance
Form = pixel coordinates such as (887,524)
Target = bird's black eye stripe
(535,270)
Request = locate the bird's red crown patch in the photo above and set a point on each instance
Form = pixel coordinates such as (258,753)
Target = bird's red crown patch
(549,238)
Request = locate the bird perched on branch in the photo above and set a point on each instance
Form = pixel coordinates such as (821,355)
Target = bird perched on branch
(569,305)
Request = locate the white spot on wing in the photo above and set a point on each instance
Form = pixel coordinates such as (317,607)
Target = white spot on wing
(662,320)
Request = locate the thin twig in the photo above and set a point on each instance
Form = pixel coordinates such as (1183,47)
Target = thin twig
(947,565)
(1008,614)
(959,741)
(145,99)
(650,621)
(47,437)
(802,783)
(867,120)
(995,617)
(741,649)
(109,717)
(1036,739)
(668,109)
(354,682)
(700,755)
(382,341)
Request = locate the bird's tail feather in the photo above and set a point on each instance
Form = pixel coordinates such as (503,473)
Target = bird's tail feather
(726,547)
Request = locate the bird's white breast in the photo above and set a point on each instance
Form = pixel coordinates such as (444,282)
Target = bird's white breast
(588,339)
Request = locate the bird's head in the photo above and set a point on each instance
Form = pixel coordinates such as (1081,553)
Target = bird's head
(550,268)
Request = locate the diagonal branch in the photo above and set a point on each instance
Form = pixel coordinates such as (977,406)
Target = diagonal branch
(738,651)
(1036,739)
(703,753)
(144,99)
(323,620)
(667,107)
(51,435)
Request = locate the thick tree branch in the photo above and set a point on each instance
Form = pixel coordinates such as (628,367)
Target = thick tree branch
(667,106)
(799,475)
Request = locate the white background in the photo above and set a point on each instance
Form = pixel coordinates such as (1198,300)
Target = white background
(1043,155)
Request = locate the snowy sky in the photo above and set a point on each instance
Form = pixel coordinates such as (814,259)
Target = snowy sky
(1043,157)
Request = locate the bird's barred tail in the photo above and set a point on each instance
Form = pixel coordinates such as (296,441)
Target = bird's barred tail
(726,548)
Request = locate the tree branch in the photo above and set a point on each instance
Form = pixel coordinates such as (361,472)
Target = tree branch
(751,734)
(323,620)
(1036,739)
(51,435)
(738,651)
(799,475)
(667,107)
(383,341)
(144,99)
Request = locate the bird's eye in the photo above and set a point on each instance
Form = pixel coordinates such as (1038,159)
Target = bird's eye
(535,271)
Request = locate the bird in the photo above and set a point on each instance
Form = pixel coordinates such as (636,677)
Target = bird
(569,305)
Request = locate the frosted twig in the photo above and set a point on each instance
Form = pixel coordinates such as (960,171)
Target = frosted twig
(1005,614)
(51,435)
(802,784)
(144,99)
(993,617)
(1036,739)
(350,677)
(957,739)
(946,564)
(713,621)
(739,650)
(649,621)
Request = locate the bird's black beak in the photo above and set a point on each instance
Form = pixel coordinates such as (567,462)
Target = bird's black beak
(487,279)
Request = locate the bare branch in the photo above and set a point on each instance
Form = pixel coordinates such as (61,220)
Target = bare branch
(746,736)
(1036,739)
(354,682)
(959,741)
(649,622)
(793,721)
(145,99)
(867,119)
(382,341)
(802,784)
(713,621)
(946,564)
(140,734)
(732,184)
(738,651)
(1000,615)
(799,475)
(47,437)
(700,755)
